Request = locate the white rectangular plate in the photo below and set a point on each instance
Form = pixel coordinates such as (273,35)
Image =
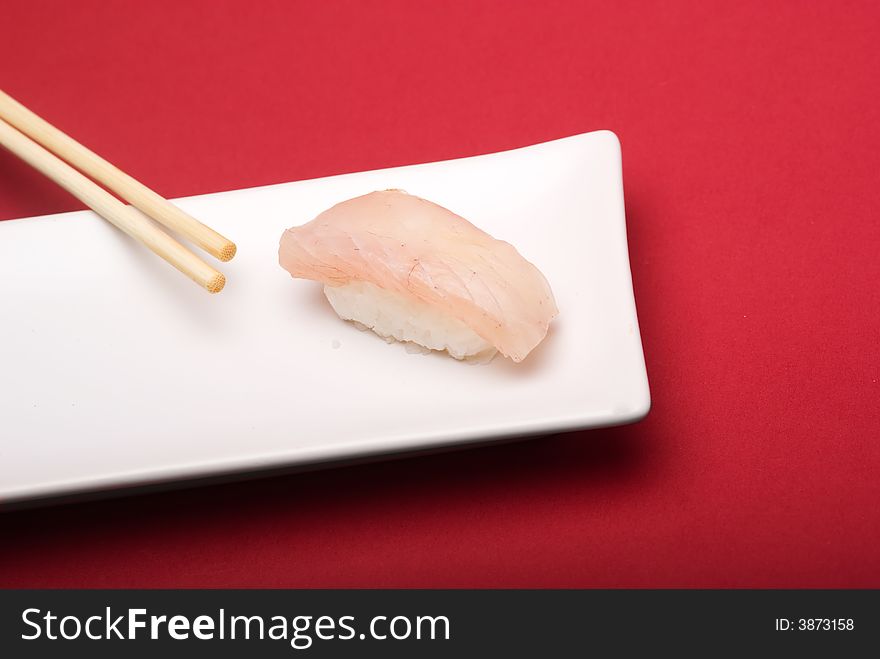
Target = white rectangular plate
(117,371)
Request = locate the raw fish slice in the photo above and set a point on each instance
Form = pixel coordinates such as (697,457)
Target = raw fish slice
(427,255)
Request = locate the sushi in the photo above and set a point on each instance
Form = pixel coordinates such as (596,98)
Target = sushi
(413,271)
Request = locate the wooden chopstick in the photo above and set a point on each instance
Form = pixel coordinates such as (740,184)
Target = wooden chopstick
(105,204)
(130,189)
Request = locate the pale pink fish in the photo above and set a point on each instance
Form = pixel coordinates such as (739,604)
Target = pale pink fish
(418,249)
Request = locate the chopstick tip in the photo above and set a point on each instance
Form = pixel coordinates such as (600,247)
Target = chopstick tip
(227,252)
(216,283)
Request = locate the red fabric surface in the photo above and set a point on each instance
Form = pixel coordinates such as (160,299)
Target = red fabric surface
(751,146)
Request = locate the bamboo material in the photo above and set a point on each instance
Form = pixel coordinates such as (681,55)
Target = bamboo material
(130,189)
(109,207)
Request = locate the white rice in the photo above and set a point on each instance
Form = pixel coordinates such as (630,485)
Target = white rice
(394,316)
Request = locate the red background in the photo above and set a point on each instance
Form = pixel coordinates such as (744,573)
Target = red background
(751,144)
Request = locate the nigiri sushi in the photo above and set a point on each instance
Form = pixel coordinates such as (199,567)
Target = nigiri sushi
(413,271)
